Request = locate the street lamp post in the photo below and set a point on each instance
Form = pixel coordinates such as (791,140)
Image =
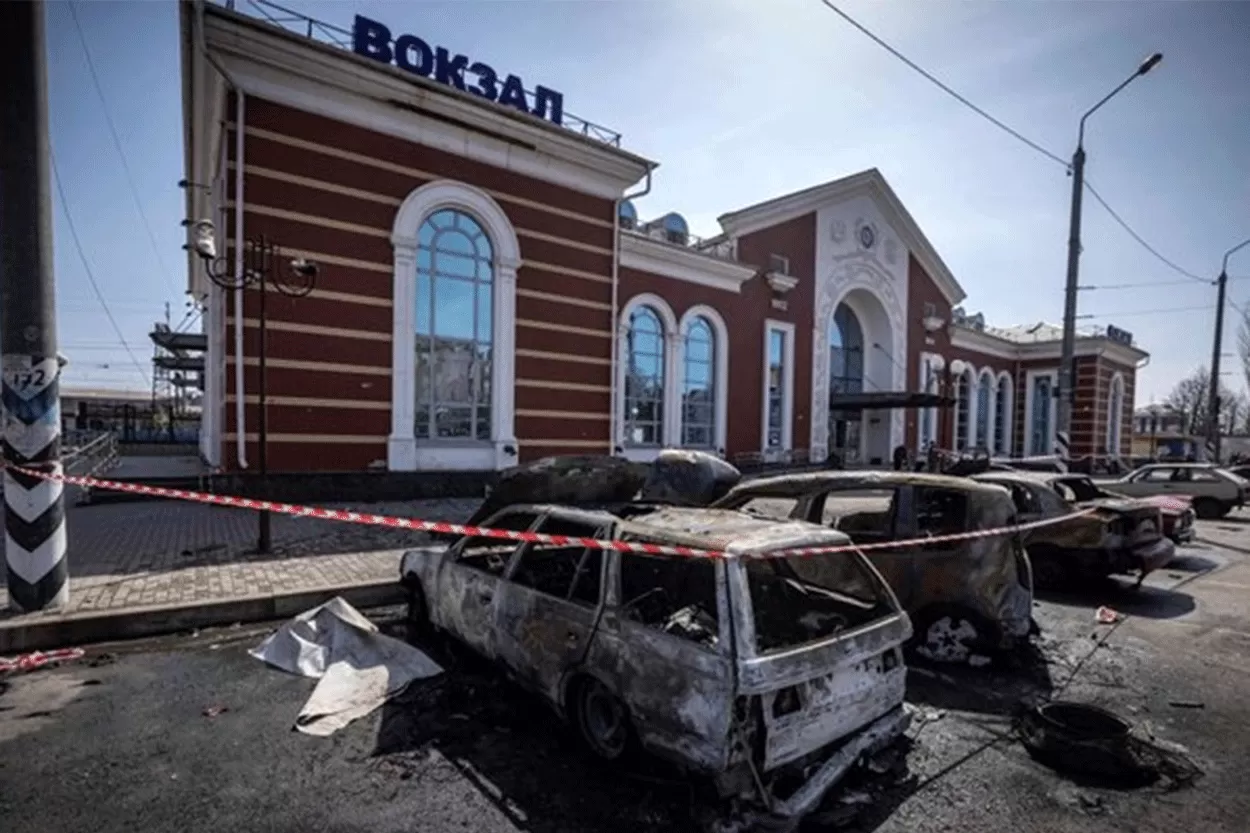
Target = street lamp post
(1213,401)
(1067,363)
(259,258)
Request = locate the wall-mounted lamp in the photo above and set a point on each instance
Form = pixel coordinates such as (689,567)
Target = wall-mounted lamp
(933,323)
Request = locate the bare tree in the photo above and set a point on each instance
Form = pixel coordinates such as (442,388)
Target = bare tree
(1190,398)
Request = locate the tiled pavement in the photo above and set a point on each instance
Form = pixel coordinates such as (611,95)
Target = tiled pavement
(157,553)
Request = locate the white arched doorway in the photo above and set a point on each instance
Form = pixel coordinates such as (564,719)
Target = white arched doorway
(860,342)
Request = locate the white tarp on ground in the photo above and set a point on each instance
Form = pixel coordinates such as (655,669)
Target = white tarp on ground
(358,667)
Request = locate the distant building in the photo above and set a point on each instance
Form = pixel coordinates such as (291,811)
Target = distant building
(1162,431)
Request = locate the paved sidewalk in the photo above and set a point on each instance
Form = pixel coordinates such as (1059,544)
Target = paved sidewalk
(176,555)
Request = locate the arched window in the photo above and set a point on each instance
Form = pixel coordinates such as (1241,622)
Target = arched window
(1002,417)
(1115,415)
(698,396)
(455,277)
(846,375)
(963,406)
(985,386)
(644,378)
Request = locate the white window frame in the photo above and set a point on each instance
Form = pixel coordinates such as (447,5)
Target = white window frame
(1009,410)
(787,393)
(1114,419)
(1048,443)
(934,364)
(403,451)
(671,424)
(720,355)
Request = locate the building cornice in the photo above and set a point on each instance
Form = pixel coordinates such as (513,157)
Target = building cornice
(683,263)
(275,64)
(870,183)
(984,343)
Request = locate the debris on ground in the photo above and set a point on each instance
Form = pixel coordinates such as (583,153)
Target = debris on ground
(1187,704)
(39,659)
(1107,616)
(358,667)
(1093,743)
(213,711)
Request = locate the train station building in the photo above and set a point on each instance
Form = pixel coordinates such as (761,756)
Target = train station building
(488,293)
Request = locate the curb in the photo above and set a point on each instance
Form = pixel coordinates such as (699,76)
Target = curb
(102,626)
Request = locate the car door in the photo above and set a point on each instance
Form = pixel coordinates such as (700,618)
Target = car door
(471,579)
(870,516)
(1152,480)
(663,645)
(549,605)
(931,573)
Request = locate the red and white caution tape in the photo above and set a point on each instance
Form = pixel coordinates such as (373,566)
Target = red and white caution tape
(446,528)
(38,659)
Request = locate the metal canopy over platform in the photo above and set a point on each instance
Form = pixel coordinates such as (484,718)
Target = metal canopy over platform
(885,400)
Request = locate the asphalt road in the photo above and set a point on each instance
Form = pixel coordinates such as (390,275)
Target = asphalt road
(122,741)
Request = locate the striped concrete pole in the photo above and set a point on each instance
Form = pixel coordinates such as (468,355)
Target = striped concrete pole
(30,369)
(1063,448)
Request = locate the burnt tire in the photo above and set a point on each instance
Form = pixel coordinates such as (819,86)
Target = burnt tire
(601,720)
(952,634)
(1049,570)
(1209,509)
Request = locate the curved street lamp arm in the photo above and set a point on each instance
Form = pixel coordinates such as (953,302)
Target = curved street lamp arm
(1229,253)
(1146,65)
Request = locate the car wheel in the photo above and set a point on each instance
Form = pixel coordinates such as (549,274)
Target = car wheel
(952,635)
(602,720)
(1208,509)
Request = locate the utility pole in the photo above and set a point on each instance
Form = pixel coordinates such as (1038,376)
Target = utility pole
(1213,396)
(1067,361)
(34,508)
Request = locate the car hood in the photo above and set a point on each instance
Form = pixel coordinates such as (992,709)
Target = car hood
(1130,507)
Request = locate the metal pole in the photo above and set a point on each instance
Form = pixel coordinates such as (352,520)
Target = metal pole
(262,418)
(1067,361)
(1213,396)
(36,541)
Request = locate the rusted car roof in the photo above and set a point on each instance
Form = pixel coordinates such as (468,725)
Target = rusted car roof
(717,530)
(793,485)
(1043,477)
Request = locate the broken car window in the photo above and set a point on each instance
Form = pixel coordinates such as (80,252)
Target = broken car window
(674,595)
(491,555)
(780,508)
(803,599)
(940,511)
(1082,489)
(568,571)
(860,512)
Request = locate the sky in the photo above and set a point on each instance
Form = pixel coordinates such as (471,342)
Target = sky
(740,101)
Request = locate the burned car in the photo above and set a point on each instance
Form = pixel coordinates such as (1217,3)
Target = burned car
(967,598)
(1121,535)
(769,674)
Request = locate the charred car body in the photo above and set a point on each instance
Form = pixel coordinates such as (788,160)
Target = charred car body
(771,675)
(967,598)
(1120,536)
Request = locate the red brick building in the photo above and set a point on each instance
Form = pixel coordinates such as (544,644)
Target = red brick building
(488,295)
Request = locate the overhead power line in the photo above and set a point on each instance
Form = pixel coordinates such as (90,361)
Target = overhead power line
(121,154)
(1160,311)
(86,265)
(1011,131)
